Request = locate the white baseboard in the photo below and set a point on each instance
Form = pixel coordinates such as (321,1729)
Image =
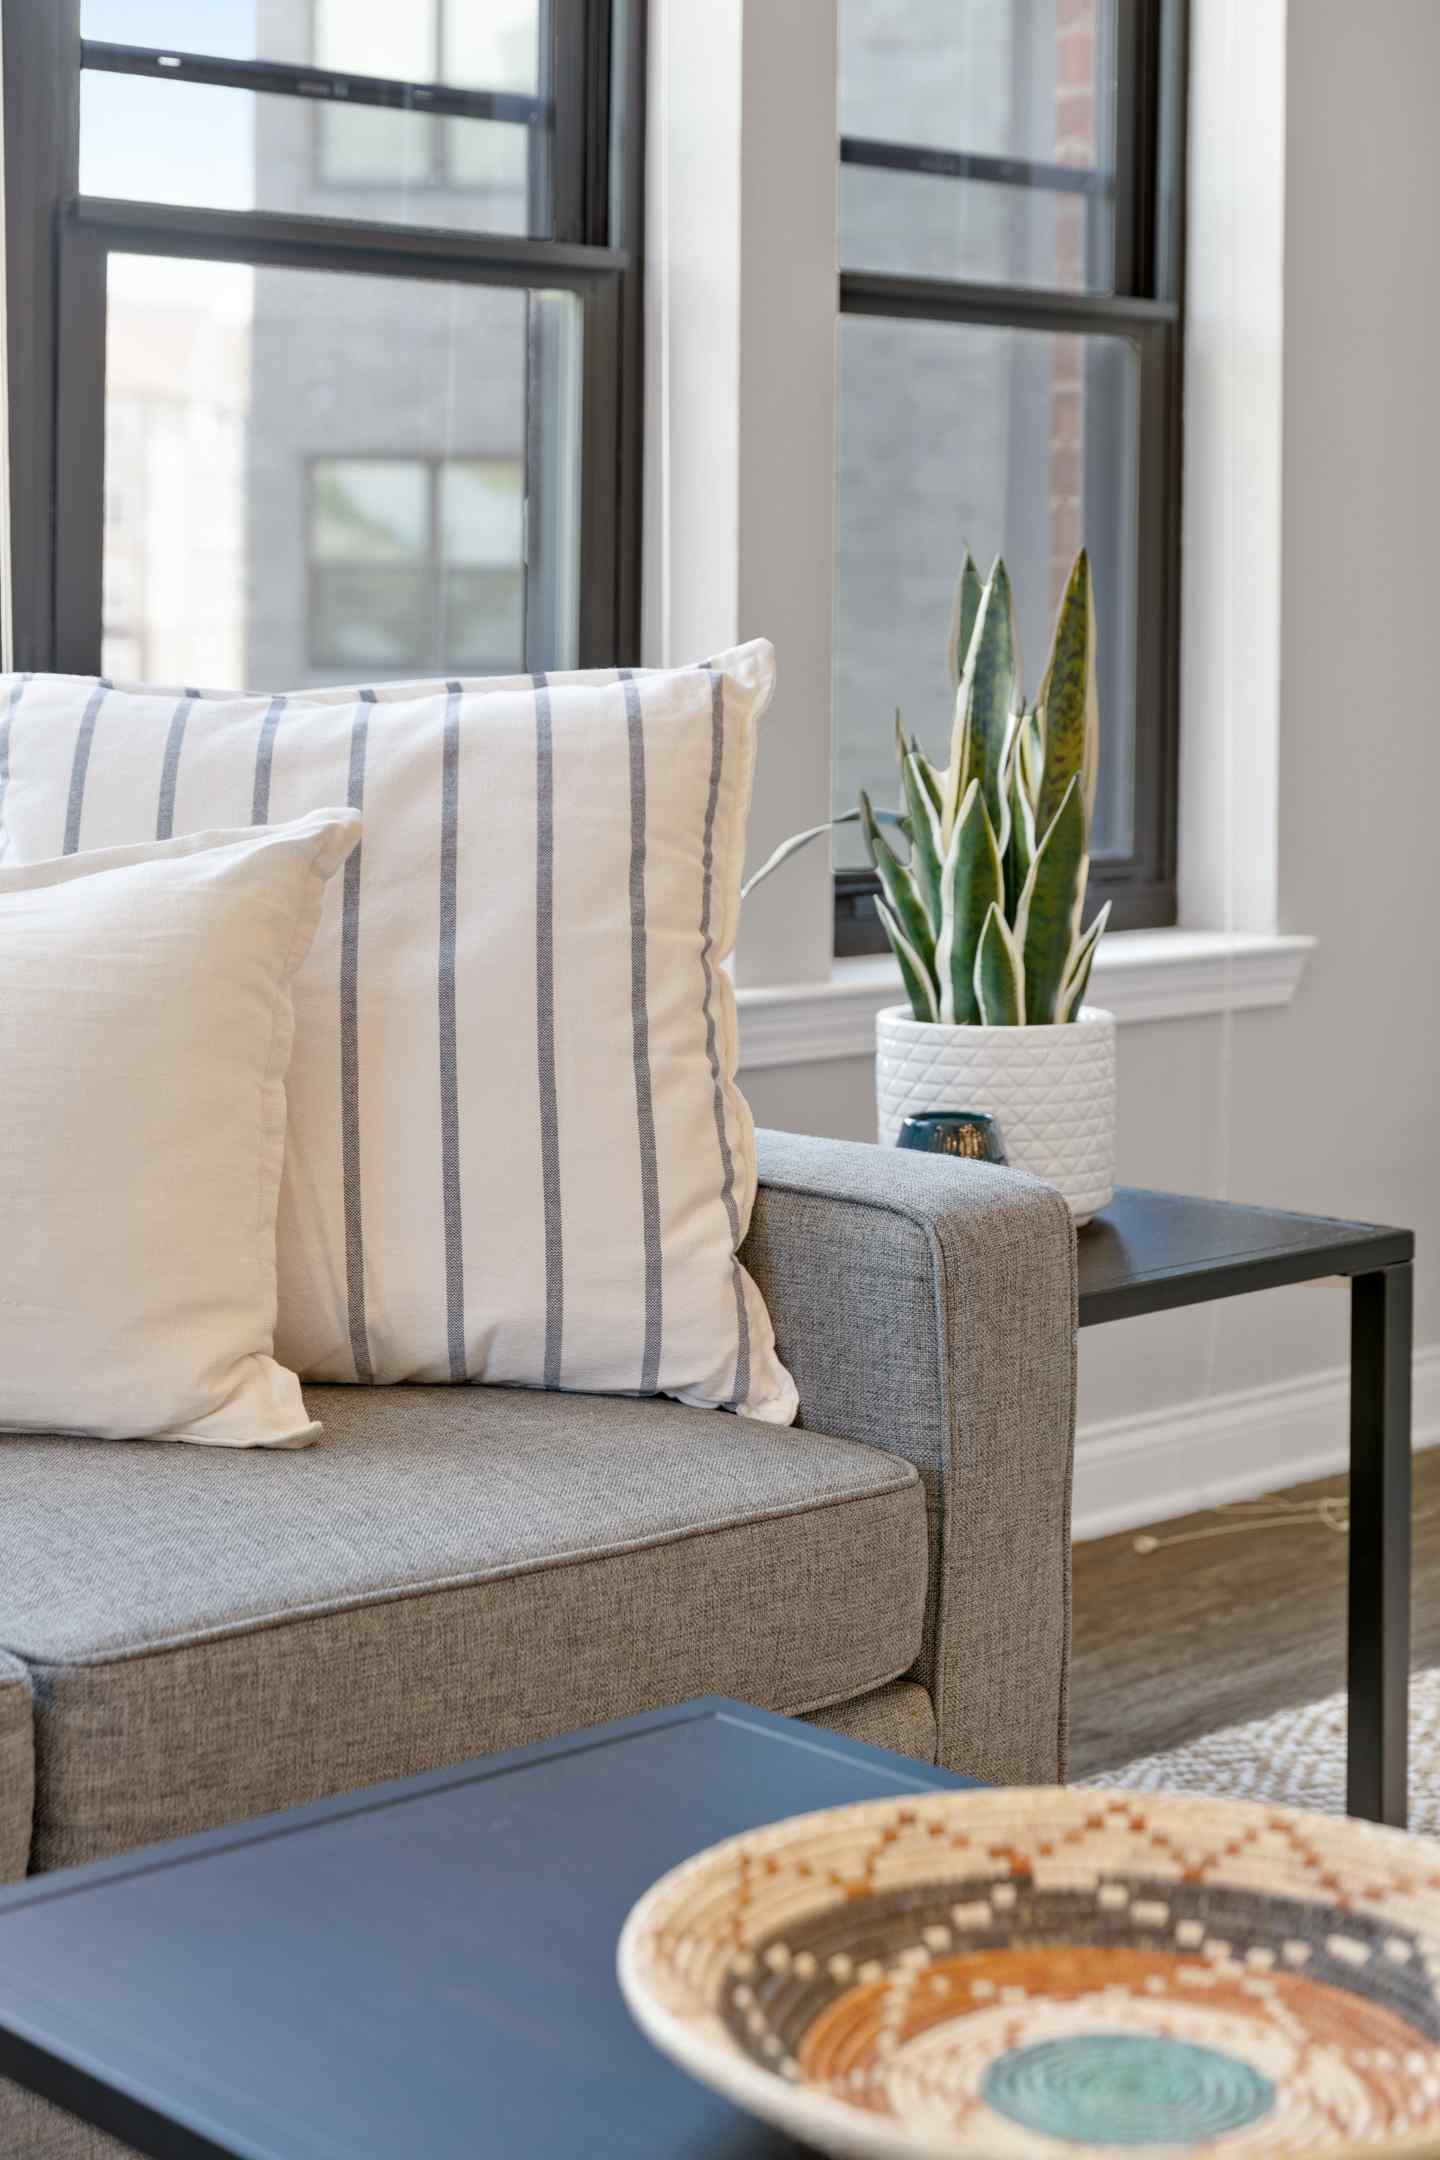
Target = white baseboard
(1143,1469)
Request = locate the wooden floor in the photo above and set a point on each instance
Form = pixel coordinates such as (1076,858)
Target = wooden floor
(1181,1641)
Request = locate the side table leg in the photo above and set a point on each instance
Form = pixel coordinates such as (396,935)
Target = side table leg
(1379,1624)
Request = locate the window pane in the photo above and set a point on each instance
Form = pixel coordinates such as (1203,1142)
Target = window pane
(374,37)
(1030,85)
(482,512)
(484,618)
(181,142)
(494,47)
(1018,442)
(278,445)
(167,142)
(357,37)
(489,160)
(226,28)
(369,510)
(478,44)
(370,621)
(370,147)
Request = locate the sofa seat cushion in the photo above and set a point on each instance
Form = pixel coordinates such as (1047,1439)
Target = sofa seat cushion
(448,1571)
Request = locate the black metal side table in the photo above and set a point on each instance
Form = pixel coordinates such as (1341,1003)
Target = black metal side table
(1150,1251)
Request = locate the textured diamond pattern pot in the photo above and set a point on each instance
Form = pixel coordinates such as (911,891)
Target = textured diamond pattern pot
(1051,1088)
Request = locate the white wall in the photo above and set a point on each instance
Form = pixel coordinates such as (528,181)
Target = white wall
(740,406)
(1328,1105)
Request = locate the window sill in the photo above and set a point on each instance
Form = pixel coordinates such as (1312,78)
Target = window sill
(1139,975)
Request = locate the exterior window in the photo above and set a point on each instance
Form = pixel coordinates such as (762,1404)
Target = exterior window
(1009,372)
(417,564)
(345,368)
(246,541)
(495,47)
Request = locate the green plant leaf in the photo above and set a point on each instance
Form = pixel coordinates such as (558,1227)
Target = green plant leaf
(1020,848)
(932,781)
(985,707)
(999,974)
(1048,916)
(1077,974)
(1069,702)
(963,611)
(956,777)
(921,790)
(919,984)
(800,840)
(1030,755)
(897,882)
(972,881)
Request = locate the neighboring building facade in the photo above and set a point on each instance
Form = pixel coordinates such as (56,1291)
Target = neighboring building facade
(386,456)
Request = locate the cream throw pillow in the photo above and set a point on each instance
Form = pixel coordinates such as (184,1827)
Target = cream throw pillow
(145,1028)
(517,1152)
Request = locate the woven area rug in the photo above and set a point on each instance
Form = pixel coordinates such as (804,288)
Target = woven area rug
(1296,1757)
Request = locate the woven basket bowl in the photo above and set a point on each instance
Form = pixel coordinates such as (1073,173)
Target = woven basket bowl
(1060,1972)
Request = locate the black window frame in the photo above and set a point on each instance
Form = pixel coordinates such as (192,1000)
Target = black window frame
(1146,306)
(58,244)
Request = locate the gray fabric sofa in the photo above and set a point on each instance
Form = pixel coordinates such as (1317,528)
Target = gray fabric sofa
(188,1636)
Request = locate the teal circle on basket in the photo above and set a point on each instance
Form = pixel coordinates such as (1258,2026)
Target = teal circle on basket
(1126,2089)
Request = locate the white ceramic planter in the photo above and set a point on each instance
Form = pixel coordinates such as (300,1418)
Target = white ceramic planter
(1052,1089)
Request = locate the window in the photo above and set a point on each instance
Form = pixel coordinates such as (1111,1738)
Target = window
(495,47)
(438,113)
(417,564)
(344,372)
(1009,369)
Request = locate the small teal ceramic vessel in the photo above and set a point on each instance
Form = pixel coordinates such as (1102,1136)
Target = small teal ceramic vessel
(972,1134)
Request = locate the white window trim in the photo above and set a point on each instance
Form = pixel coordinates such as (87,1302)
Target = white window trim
(1139,975)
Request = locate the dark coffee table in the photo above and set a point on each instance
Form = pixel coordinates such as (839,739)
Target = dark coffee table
(1150,1251)
(426,1967)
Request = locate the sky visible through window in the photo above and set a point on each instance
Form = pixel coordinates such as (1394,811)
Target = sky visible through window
(223,27)
(206,149)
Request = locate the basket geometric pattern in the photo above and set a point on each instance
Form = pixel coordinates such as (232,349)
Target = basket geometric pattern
(1051,1088)
(1007,1973)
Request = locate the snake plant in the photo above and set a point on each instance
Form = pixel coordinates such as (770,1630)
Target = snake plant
(983,906)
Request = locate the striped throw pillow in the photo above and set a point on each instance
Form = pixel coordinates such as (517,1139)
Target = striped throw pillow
(516,1151)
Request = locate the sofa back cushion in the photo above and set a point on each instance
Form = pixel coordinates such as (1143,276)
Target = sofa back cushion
(516,1149)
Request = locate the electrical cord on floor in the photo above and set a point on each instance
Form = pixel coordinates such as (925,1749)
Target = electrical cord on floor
(1256,1515)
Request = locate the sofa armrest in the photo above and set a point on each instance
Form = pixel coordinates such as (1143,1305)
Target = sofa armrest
(928,1306)
(17,1768)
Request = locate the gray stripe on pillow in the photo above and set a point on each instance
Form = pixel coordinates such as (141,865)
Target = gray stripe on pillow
(170,767)
(350,1058)
(80,765)
(449,1083)
(727,1162)
(264,760)
(640,1038)
(545,1034)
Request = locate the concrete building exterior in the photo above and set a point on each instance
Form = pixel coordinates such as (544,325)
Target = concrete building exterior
(387,440)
